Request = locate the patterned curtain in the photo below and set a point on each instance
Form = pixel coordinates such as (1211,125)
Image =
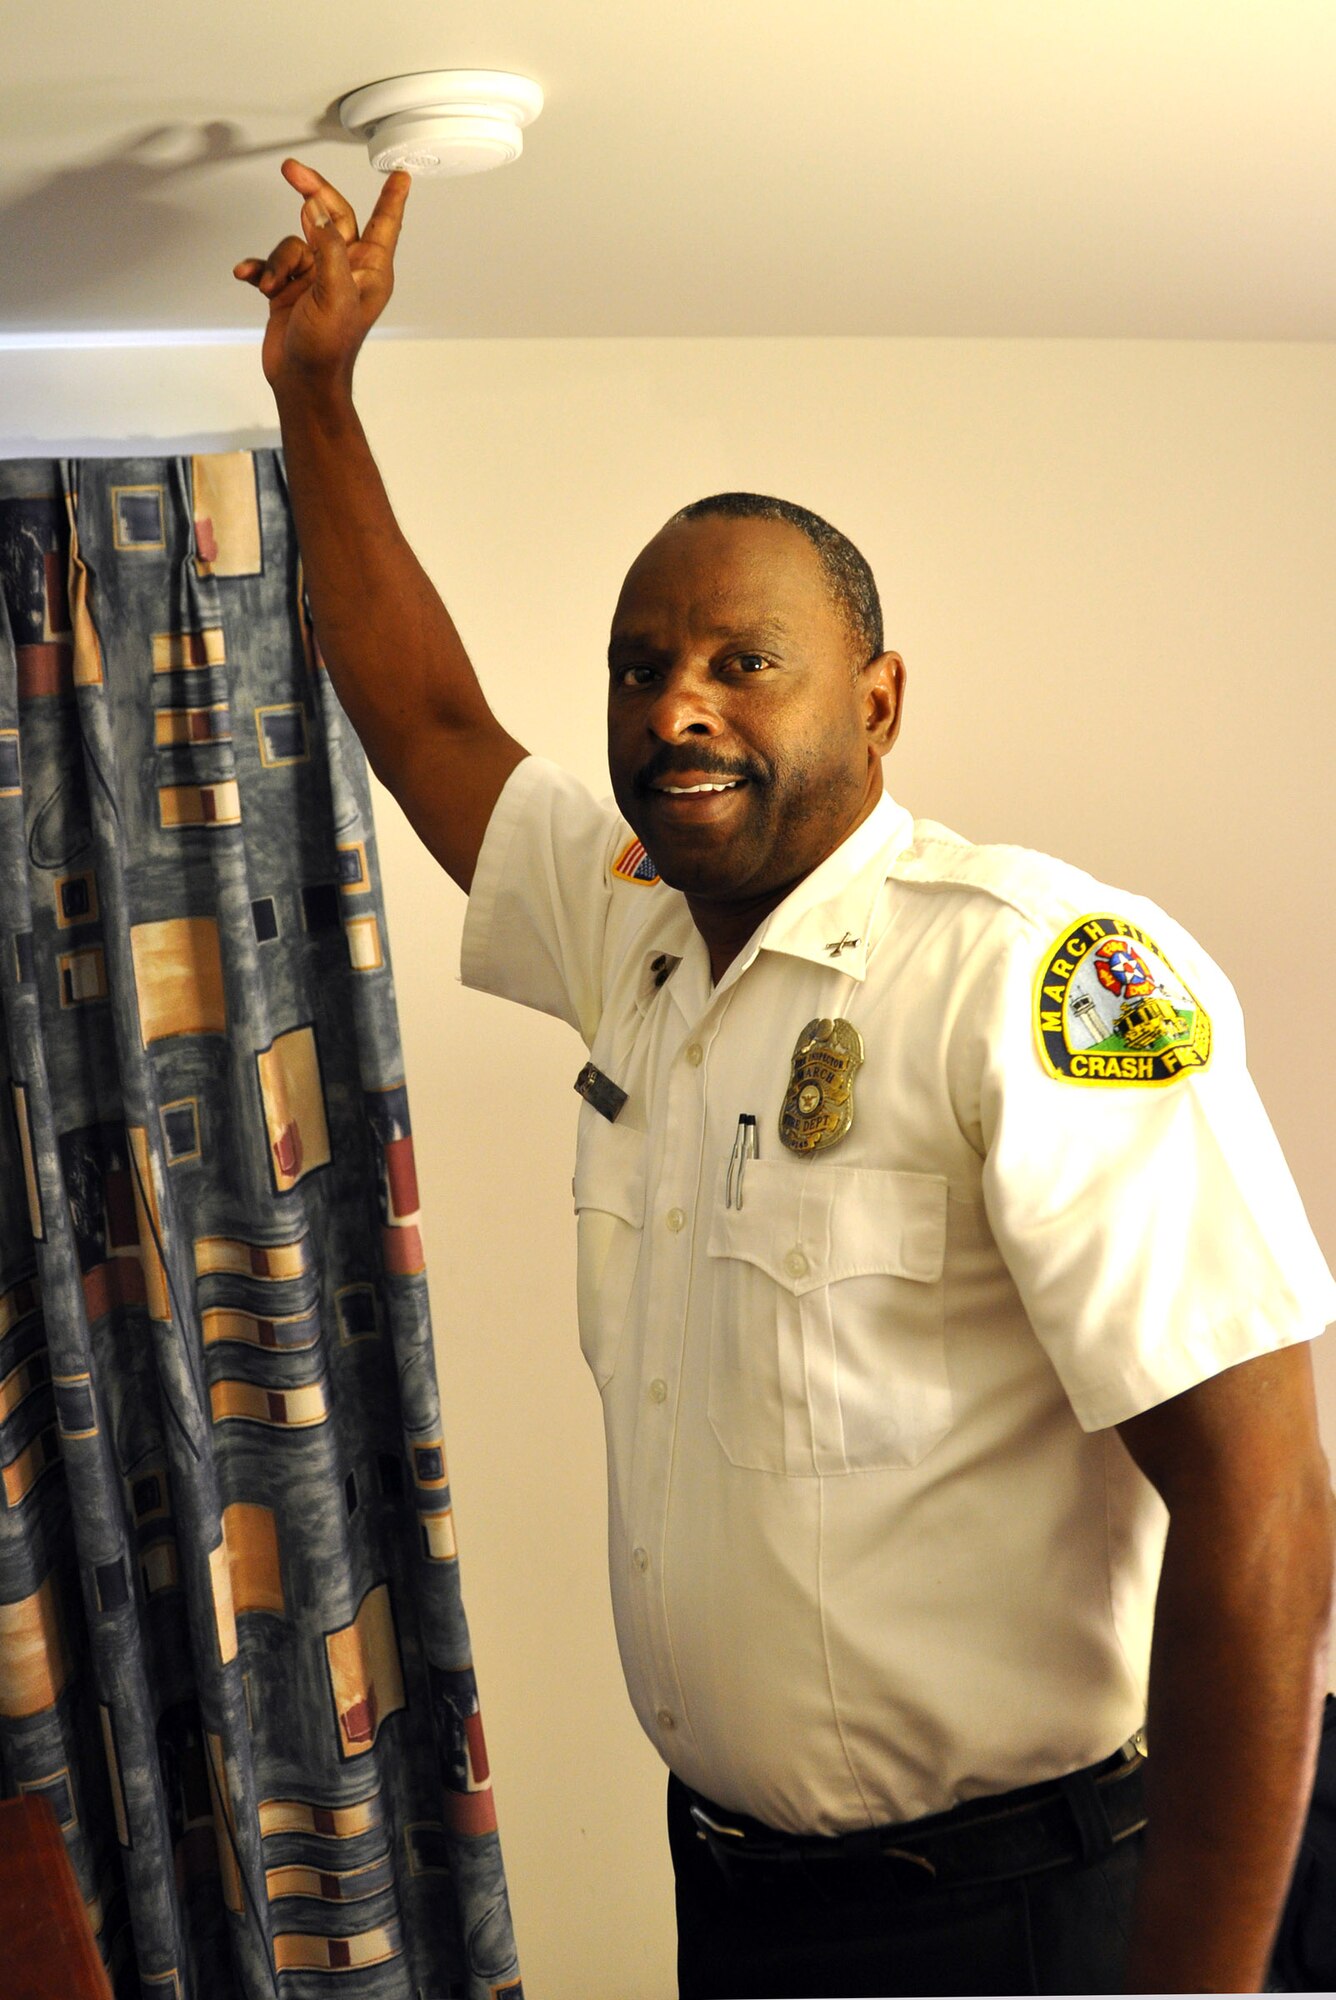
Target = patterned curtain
(232,1649)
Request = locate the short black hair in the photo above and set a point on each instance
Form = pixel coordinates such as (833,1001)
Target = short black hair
(851,582)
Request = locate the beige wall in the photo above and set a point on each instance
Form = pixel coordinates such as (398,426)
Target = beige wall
(1110,568)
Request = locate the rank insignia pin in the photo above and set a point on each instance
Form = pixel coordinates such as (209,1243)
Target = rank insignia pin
(818,1105)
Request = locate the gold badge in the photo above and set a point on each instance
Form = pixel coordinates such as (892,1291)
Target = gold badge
(819,1102)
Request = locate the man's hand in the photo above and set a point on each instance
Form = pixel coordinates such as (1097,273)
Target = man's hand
(328,287)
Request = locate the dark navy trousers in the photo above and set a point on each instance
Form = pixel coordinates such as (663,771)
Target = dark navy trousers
(790,1937)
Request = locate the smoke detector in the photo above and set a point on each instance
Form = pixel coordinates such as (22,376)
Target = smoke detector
(443,121)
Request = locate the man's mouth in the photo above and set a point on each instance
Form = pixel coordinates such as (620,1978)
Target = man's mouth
(672,789)
(675,775)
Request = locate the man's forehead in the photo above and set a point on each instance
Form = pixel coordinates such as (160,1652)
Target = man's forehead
(636,628)
(767,570)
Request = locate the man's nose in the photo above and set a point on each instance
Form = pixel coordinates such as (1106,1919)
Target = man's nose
(685,706)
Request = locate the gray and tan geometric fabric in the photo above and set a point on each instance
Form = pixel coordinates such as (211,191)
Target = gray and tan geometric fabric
(232,1647)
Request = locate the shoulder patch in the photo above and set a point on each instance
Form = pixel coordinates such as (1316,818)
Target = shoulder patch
(634,865)
(1109,1008)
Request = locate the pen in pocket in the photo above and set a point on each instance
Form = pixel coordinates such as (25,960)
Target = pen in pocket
(745,1147)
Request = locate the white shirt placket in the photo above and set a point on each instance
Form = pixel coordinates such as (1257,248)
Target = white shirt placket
(677,1226)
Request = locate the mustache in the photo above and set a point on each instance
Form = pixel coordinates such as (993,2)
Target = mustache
(673,759)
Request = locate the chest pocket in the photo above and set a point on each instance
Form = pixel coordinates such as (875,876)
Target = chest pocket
(827,1341)
(609,1190)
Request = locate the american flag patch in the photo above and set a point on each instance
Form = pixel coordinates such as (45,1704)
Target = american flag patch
(634,865)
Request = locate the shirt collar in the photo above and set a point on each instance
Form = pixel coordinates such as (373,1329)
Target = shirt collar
(827,917)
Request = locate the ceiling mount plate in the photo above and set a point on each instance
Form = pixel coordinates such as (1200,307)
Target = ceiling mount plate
(443,121)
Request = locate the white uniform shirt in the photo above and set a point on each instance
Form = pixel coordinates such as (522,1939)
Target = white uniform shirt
(874,1547)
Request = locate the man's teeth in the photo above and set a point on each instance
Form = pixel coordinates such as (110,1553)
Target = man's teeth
(679,791)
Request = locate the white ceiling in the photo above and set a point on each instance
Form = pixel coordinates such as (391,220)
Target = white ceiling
(1156,168)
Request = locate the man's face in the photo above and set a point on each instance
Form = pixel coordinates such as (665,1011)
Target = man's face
(731,666)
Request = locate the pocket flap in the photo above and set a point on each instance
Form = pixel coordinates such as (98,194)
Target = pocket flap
(610,1171)
(809,1222)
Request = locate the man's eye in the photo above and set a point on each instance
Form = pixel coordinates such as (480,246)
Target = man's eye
(635,677)
(750,663)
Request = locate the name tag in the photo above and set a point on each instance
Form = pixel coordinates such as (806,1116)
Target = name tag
(600,1091)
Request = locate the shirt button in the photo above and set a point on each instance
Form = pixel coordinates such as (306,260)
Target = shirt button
(795,1264)
(658,1390)
(666,1719)
(641,1560)
(676,1219)
(694,1054)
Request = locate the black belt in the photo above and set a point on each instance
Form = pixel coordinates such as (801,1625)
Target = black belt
(1076,1819)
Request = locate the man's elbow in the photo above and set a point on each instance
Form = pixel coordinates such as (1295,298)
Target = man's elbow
(1324,1547)
(1302,1540)
(1273,1548)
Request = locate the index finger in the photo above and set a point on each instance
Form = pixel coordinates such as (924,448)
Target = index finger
(386,218)
(309,183)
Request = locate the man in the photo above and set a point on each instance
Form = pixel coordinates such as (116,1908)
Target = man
(932,1245)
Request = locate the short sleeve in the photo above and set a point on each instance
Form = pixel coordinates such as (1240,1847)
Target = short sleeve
(1152,1228)
(537,921)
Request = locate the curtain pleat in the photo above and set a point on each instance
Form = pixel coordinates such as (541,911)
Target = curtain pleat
(233,1652)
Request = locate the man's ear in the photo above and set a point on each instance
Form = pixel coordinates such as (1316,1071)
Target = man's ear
(882,691)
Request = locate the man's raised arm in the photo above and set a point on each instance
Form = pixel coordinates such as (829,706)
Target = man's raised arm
(390,644)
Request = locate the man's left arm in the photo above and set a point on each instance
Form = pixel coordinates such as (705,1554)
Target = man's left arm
(1237,1669)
